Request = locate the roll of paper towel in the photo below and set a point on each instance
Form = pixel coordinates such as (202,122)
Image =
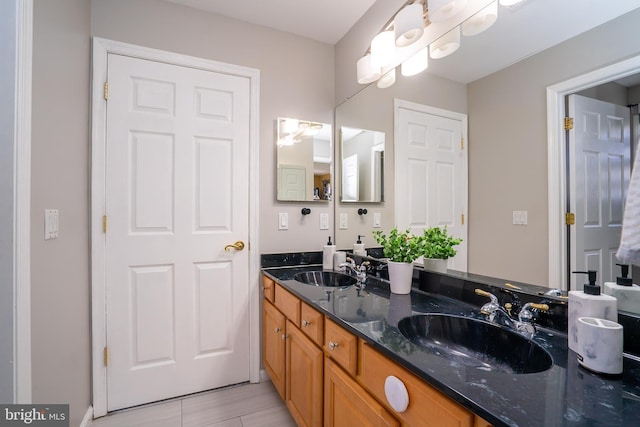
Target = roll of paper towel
(600,345)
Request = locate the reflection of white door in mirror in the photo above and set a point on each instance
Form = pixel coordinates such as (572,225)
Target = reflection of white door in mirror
(431,172)
(350,188)
(599,170)
(362,151)
(291,183)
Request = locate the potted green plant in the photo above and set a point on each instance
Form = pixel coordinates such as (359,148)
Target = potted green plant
(401,248)
(438,248)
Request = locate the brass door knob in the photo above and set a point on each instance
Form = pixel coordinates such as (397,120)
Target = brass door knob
(238,246)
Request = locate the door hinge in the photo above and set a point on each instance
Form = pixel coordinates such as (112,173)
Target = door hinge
(106,90)
(462,219)
(106,356)
(569,218)
(568,123)
(104,224)
(462,143)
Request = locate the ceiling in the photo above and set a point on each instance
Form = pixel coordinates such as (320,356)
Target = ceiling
(323,20)
(535,25)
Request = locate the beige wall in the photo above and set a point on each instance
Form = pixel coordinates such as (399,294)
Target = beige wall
(508,149)
(60,177)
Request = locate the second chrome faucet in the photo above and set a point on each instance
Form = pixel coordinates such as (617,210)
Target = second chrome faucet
(496,313)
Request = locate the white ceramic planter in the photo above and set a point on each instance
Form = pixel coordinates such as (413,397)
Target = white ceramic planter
(400,277)
(437,265)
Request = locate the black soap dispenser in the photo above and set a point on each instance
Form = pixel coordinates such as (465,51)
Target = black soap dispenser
(624,290)
(589,303)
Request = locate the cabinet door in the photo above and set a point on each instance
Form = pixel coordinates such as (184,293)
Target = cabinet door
(304,378)
(427,406)
(268,288)
(273,345)
(347,404)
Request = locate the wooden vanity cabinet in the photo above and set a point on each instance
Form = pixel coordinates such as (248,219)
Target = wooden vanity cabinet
(327,376)
(427,406)
(292,359)
(347,404)
(273,345)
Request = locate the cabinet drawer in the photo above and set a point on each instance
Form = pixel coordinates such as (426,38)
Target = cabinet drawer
(427,406)
(288,304)
(341,346)
(312,323)
(268,288)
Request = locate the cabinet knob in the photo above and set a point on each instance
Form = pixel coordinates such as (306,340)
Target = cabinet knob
(284,336)
(305,323)
(277,330)
(333,345)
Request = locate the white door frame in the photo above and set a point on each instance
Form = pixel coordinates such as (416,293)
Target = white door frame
(101,48)
(556,158)
(21,141)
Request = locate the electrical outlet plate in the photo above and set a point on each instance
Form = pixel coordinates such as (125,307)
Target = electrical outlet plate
(51,228)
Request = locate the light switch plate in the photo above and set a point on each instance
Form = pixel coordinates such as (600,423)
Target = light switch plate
(51,228)
(324,221)
(520,217)
(283,221)
(344,221)
(377,218)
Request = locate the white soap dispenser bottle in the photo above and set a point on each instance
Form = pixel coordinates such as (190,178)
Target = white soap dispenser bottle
(588,303)
(623,290)
(327,255)
(358,247)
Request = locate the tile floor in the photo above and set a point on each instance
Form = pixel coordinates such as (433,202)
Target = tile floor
(245,405)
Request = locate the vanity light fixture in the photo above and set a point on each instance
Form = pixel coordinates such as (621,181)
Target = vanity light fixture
(387,80)
(417,63)
(446,44)
(367,73)
(420,27)
(443,10)
(383,49)
(481,21)
(409,24)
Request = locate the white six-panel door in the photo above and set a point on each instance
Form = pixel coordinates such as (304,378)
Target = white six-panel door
(599,164)
(177,303)
(431,173)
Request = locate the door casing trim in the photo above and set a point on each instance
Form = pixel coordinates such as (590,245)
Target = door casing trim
(556,158)
(101,48)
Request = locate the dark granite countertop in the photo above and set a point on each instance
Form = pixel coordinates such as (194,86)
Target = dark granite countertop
(564,395)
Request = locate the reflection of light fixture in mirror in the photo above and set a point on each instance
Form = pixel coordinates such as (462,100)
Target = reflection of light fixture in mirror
(446,44)
(481,21)
(409,24)
(367,73)
(289,125)
(383,49)
(417,63)
(312,129)
(442,10)
(387,80)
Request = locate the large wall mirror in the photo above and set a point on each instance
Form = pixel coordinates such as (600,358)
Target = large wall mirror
(303,161)
(509,168)
(362,165)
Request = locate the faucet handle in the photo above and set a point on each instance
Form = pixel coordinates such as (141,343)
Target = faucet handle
(482,293)
(526,315)
(541,307)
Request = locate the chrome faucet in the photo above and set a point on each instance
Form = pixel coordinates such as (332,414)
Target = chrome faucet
(360,271)
(501,315)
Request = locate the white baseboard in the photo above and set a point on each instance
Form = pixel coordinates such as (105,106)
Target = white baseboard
(88,416)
